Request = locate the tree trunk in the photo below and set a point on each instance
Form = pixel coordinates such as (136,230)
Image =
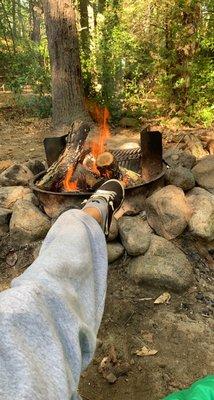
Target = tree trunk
(84,32)
(14,18)
(35,21)
(21,27)
(67,89)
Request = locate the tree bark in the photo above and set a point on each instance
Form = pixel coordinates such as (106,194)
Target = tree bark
(14,18)
(35,21)
(84,33)
(67,88)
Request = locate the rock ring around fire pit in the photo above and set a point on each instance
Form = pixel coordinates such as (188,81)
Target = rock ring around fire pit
(55,202)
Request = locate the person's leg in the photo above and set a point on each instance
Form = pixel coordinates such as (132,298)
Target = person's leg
(50,317)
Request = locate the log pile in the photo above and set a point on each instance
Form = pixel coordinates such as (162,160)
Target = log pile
(77,169)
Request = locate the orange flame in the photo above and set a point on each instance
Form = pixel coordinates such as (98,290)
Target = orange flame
(125,181)
(102,117)
(96,146)
(67,184)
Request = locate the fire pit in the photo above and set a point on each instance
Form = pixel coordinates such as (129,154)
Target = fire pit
(148,158)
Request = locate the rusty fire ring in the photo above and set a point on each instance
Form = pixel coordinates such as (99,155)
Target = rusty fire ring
(88,194)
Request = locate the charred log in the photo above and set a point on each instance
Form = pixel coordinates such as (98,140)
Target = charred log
(108,165)
(69,158)
(86,179)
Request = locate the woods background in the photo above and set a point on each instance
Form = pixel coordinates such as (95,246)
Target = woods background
(140,58)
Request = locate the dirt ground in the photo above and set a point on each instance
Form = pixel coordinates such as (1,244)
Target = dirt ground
(181,331)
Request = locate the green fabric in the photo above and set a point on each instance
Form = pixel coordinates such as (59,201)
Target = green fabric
(200,390)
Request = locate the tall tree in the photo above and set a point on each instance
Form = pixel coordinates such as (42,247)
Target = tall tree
(35,12)
(67,88)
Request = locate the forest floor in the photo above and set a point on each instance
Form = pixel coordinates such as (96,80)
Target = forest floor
(181,331)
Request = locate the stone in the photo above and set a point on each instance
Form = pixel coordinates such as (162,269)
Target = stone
(111,378)
(168,212)
(36,247)
(129,122)
(10,194)
(210,146)
(5,215)
(28,223)
(210,246)
(194,145)
(113,231)
(16,175)
(204,173)
(115,251)
(4,164)
(164,266)
(175,157)
(201,223)
(181,177)
(35,166)
(135,234)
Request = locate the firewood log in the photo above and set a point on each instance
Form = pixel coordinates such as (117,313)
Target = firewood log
(130,178)
(53,179)
(107,165)
(86,179)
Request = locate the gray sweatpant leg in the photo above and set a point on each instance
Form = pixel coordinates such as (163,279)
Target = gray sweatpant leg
(50,317)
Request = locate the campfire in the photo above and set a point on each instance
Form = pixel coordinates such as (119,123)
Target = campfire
(86,162)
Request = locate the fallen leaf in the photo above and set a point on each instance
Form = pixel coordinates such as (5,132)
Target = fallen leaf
(163,298)
(145,351)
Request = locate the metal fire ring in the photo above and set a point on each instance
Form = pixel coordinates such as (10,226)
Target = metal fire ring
(125,158)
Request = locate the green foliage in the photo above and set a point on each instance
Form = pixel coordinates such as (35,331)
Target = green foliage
(34,105)
(26,67)
(141,58)
(147,53)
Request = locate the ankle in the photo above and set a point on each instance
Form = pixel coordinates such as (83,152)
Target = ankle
(95,213)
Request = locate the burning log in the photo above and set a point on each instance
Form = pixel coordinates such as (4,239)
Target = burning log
(107,165)
(55,174)
(130,178)
(86,179)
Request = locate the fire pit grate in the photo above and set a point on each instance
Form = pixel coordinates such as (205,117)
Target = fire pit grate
(129,158)
(147,158)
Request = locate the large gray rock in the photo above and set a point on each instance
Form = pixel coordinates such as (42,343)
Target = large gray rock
(164,265)
(176,157)
(115,251)
(28,223)
(168,212)
(113,231)
(181,177)
(202,221)
(10,194)
(204,173)
(16,175)
(5,215)
(135,234)
(35,166)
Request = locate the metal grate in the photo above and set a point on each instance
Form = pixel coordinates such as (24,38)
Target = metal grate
(129,158)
